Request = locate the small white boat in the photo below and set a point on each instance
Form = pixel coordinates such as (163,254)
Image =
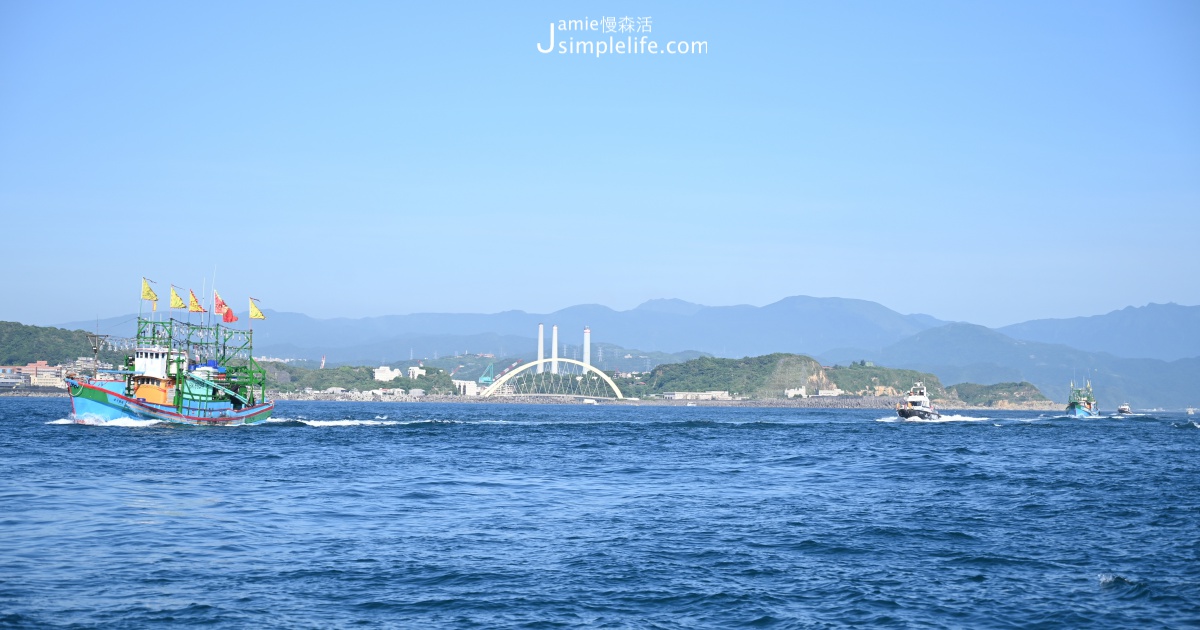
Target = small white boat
(916,404)
(1124,408)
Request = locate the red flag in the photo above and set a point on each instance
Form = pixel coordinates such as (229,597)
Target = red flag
(220,307)
(229,316)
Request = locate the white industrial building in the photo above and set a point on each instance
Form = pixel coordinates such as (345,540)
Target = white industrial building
(385,373)
(466,388)
(709,395)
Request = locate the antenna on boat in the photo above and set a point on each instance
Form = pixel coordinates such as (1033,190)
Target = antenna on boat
(213,303)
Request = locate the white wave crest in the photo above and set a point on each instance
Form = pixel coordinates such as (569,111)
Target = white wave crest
(338,423)
(100,422)
(945,418)
(349,423)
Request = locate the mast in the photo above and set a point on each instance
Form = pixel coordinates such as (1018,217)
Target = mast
(97,340)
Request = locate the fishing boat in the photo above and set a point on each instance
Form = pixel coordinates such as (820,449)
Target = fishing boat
(180,372)
(916,404)
(1124,408)
(1081,403)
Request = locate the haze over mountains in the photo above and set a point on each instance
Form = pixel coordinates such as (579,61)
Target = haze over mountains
(1158,331)
(796,324)
(968,353)
(1146,354)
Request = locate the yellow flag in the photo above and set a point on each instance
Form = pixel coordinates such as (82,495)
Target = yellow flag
(176,301)
(147,292)
(254,312)
(194,304)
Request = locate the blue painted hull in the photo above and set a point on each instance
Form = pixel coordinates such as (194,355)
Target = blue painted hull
(1077,411)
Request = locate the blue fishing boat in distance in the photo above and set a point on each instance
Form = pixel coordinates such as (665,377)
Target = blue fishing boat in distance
(1081,403)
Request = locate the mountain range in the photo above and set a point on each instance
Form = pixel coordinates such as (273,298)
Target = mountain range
(796,324)
(1154,331)
(959,353)
(1147,355)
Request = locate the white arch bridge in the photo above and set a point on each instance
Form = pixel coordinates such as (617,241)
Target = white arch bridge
(587,381)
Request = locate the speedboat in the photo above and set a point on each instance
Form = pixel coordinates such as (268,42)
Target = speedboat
(1124,408)
(916,405)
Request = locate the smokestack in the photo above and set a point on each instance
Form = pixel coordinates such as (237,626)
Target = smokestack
(554,349)
(541,348)
(587,345)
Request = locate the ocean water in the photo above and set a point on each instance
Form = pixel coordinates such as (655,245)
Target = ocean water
(439,515)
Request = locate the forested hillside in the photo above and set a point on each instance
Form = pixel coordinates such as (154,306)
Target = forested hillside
(21,344)
(861,379)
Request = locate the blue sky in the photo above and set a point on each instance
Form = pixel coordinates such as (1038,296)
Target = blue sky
(991,162)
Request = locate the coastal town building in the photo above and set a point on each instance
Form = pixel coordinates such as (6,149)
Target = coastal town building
(85,365)
(466,388)
(385,373)
(47,379)
(265,359)
(13,380)
(36,374)
(32,369)
(709,395)
(414,371)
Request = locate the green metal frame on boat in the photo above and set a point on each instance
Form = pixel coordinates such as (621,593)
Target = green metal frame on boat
(245,379)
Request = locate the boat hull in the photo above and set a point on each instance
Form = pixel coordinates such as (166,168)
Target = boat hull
(92,402)
(910,413)
(1079,411)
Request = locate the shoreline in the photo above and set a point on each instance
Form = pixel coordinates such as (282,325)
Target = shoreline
(815,402)
(839,402)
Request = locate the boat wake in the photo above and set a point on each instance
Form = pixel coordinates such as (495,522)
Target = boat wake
(349,422)
(951,418)
(943,418)
(100,422)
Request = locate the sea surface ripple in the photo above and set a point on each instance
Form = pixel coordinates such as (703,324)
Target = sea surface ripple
(443,515)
